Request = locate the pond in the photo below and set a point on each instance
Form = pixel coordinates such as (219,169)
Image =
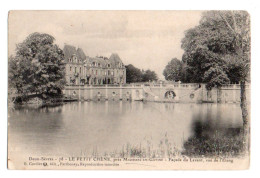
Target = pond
(87,128)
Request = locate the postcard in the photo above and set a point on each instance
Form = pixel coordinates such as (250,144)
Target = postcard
(129,90)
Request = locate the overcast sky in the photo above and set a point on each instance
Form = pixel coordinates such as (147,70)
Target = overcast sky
(146,39)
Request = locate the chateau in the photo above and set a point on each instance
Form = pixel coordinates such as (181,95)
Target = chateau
(81,69)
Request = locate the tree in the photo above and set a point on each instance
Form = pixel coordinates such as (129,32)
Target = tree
(37,67)
(149,76)
(133,74)
(217,51)
(173,70)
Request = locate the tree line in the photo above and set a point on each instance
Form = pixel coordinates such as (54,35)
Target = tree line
(134,75)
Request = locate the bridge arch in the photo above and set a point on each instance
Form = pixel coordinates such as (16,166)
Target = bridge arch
(170,94)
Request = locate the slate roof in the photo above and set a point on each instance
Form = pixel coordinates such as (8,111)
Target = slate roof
(115,59)
(68,51)
(81,54)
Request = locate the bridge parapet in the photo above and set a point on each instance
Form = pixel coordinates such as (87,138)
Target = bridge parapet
(183,92)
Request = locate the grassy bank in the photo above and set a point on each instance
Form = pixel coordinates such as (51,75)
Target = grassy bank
(210,141)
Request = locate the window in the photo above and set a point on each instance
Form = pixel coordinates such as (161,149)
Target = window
(93,63)
(98,64)
(79,69)
(108,65)
(105,73)
(92,71)
(108,72)
(75,69)
(112,73)
(75,58)
(96,72)
(70,68)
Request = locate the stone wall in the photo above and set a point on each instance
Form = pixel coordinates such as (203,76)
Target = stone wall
(185,93)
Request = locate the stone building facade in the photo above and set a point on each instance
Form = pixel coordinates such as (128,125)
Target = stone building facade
(81,69)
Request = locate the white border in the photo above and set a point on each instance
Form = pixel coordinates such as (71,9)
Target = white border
(249,5)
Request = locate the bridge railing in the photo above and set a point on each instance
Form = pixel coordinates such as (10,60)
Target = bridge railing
(175,85)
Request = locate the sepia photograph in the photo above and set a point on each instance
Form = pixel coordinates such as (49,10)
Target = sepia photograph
(129,90)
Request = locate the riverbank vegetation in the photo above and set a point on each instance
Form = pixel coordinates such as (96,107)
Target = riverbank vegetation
(36,72)
(217,52)
(206,142)
(211,140)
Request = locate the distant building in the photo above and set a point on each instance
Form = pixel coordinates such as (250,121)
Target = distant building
(81,69)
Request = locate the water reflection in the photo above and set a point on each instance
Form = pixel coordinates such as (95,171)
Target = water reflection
(214,135)
(110,126)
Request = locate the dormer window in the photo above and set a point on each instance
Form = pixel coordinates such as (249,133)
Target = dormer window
(75,58)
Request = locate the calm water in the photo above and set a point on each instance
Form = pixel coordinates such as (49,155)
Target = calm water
(80,128)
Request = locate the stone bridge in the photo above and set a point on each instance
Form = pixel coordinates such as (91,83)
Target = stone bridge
(175,92)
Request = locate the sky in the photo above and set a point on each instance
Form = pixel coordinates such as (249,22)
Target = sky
(146,39)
